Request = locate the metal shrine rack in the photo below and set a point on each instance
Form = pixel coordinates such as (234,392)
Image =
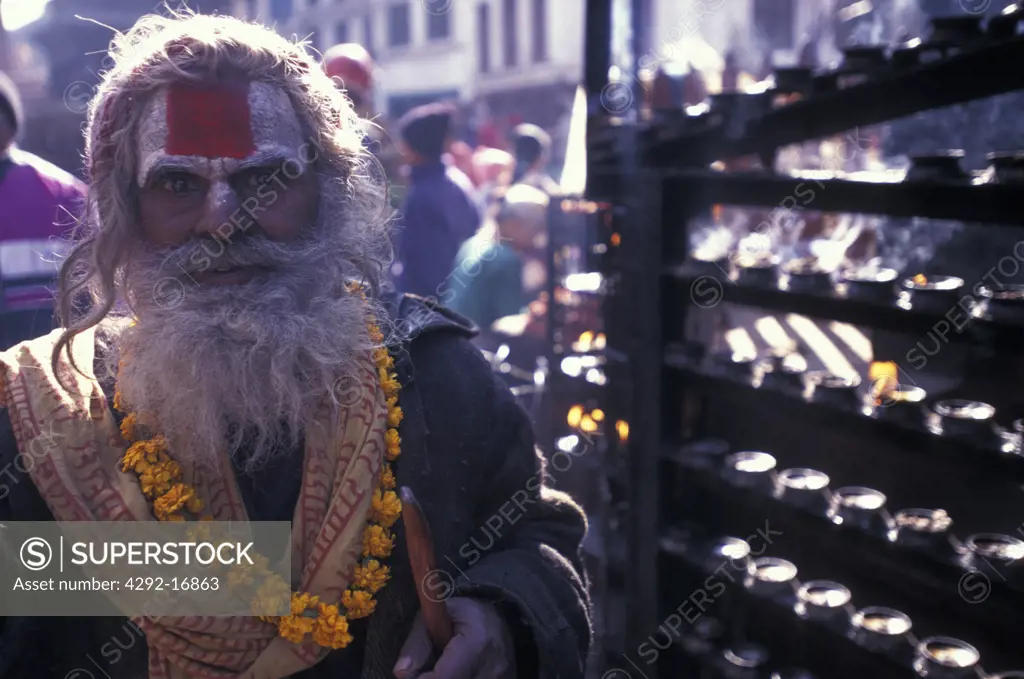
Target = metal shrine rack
(692,529)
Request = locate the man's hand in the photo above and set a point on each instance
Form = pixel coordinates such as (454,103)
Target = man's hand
(482,647)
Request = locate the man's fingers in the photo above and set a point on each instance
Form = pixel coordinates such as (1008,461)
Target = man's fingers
(415,652)
(458,661)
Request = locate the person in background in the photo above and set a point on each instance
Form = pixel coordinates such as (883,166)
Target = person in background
(351,67)
(460,156)
(493,169)
(532,148)
(39,203)
(439,212)
(488,280)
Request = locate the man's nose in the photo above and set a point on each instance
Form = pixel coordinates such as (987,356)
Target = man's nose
(222,204)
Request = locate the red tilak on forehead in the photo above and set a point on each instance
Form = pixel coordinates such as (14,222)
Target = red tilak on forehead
(213,122)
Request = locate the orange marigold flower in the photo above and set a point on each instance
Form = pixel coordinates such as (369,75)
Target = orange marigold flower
(377,542)
(128,425)
(387,478)
(385,507)
(153,448)
(395,416)
(394,444)
(173,500)
(273,594)
(240,577)
(156,479)
(371,577)
(294,628)
(390,386)
(133,457)
(300,600)
(260,563)
(331,628)
(359,604)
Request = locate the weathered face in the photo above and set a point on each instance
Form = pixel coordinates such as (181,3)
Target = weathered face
(222,161)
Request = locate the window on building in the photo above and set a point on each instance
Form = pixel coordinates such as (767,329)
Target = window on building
(368,33)
(483,36)
(773,22)
(540,31)
(398,24)
(340,32)
(281,10)
(439,25)
(509,24)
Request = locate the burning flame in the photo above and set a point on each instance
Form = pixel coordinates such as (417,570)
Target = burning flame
(622,427)
(920,279)
(585,341)
(598,415)
(587,424)
(884,376)
(575,415)
(616,240)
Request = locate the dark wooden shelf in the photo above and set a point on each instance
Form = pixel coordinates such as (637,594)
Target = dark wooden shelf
(929,577)
(1005,334)
(975,74)
(915,440)
(814,637)
(984,202)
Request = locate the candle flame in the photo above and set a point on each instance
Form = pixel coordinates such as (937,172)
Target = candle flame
(575,415)
(884,376)
(622,427)
(920,279)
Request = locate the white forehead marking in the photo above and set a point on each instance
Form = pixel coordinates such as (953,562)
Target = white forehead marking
(276,133)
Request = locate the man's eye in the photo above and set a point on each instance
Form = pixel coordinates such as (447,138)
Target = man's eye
(258,178)
(177,183)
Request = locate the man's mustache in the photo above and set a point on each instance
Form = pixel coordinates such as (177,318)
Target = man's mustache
(205,254)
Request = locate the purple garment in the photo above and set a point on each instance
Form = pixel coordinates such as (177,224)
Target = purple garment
(39,205)
(438,216)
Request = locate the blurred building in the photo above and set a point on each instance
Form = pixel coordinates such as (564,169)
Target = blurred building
(505,61)
(757,31)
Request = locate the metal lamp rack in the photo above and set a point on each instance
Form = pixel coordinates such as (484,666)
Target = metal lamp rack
(694,602)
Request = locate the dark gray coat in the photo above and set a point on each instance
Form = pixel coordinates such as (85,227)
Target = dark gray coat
(469,456)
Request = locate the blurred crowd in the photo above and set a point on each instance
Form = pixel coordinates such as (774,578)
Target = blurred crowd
(469,221)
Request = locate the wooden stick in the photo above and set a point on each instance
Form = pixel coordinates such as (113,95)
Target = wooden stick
(421,557)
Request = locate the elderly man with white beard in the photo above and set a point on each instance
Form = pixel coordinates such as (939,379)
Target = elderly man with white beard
(238,360)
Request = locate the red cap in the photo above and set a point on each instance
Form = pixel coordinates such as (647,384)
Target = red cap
(350,63)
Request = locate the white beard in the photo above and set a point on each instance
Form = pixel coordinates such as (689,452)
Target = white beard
(244,367)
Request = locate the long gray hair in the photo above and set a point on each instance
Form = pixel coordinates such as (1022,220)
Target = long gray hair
(223,347)
(157,52)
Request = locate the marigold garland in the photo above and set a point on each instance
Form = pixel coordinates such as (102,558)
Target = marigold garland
(162,482)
